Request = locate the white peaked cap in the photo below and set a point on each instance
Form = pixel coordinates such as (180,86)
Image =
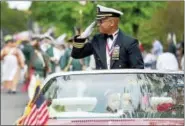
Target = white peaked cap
(107,12)
(61,39)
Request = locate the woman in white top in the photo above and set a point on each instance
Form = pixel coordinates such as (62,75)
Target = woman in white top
(11,61)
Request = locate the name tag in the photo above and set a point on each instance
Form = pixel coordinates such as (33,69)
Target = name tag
(116,53)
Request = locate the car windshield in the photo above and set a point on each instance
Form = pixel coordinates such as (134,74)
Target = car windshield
(116,95)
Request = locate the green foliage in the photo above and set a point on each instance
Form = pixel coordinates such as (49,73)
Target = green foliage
(165,20)
(63,15)
(143,20)
(12,20)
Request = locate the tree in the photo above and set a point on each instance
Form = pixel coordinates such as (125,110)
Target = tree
(165,20)
(12,20)
(135,12)
(65,15)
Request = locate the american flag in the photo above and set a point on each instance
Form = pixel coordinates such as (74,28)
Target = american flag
(37,112)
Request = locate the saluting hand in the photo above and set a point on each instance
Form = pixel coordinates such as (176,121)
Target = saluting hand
(88,30)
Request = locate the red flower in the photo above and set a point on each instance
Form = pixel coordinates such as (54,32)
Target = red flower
(164,107)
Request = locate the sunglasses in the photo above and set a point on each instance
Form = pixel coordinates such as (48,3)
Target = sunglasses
(101,21)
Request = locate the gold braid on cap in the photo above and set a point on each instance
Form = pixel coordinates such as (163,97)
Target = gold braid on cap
(78,45)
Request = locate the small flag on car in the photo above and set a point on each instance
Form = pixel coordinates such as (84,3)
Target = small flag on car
(36,112)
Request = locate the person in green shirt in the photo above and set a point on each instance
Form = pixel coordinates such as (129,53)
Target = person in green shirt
(67,63)
(47,46)
(38,68)
(50,53)
(59,50)
(39,60)
(27,50)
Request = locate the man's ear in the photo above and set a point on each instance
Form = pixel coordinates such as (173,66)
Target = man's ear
(112,23)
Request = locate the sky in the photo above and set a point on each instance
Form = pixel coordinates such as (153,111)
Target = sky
(20,5)
(24,5)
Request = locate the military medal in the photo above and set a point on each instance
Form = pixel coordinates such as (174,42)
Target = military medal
(115,53)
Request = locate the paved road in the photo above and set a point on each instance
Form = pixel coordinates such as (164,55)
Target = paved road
(12,106)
